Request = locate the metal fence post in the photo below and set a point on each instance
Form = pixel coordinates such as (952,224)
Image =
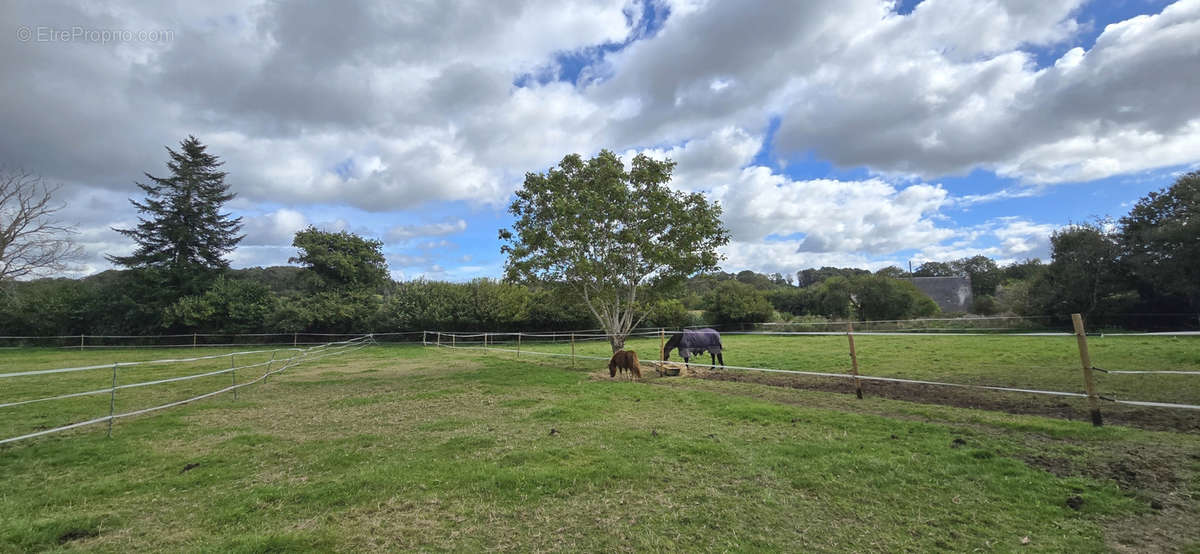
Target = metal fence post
(267,375)
(233,371)
(112,400)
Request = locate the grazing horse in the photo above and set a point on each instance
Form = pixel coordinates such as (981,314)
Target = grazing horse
(625,360)
(694,341)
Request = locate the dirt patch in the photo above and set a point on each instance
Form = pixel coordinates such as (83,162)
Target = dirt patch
(1159,419)
(76,534)
(1158,473)
(651,369)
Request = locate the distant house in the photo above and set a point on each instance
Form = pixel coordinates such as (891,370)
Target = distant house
(952,294)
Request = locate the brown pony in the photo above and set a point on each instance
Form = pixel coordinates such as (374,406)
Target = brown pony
(625,360)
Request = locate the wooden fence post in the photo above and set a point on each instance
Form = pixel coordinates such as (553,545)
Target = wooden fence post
(81,342)
(662,346)
(572,350)
(854,361)
(518,345)
(1089,383)
(294,343)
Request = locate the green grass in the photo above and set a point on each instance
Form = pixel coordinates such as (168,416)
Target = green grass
(1049,363)
(394,448)
(21,420)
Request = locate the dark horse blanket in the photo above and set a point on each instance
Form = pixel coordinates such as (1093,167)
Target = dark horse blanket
(695,341)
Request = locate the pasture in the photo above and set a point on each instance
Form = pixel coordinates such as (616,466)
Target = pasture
(1033,362)
(404,447)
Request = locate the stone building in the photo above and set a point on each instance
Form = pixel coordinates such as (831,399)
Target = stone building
(952,294)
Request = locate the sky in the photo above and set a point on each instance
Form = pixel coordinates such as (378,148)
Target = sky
(858,133)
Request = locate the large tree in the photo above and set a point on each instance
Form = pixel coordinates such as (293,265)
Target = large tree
(617,238)
(984,273)
(1160,240)
(935,269)
(1085,273)
(31,239)
(342,260)
(181,229)
(737,302)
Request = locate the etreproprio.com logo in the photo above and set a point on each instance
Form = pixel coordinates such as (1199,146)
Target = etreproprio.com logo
(79,33)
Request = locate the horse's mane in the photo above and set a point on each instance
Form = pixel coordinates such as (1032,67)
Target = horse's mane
(625,360)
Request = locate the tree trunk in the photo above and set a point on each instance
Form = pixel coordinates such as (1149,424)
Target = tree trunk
(617,342)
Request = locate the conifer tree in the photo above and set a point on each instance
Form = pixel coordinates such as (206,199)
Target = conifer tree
(182,231)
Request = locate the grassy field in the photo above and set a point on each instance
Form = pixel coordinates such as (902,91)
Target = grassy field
(431,449)
(1049,363)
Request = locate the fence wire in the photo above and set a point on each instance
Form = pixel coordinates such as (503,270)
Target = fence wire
(440,342)
(297,357)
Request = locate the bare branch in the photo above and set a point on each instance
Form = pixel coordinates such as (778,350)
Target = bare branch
(31,240)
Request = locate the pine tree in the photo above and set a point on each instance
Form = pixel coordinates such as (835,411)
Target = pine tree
(181,229)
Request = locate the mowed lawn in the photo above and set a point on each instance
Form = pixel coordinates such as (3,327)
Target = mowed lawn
(404,447)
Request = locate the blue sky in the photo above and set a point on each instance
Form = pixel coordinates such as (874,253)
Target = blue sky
(851,133)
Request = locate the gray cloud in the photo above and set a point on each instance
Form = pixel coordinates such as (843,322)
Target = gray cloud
(389,107)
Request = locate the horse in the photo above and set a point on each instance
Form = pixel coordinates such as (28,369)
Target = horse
(694,341)
(625,360)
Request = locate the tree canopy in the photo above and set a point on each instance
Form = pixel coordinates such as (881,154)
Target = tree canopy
(182,229)
(615,237)
(737,302)
(1160,239)
(341,260)
(1084,271)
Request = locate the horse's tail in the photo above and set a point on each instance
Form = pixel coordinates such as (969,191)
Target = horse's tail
(634,365)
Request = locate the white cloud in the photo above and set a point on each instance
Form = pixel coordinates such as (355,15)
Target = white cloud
(785,257)
(1005,240)
(406,232)
(944,90)
(869,216)
(707,162)
(418,105)
(277,227)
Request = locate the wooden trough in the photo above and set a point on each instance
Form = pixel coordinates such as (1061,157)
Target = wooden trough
(666,369)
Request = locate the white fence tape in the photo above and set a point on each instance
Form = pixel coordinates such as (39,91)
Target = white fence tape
(1147,371)
(147,362)
(299,356)
(931,333)
(870,378)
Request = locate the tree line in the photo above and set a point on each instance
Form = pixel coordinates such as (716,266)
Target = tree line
(590,246)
